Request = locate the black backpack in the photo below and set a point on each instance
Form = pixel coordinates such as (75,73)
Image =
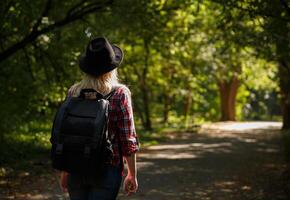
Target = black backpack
(79,138)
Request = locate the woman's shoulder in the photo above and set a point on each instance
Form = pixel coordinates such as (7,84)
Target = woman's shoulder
(122,94)
(72,89)
(122,90)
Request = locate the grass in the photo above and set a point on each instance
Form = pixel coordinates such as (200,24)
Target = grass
(31,142)
(20,147)
(160,132)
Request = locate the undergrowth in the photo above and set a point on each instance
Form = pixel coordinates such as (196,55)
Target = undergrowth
(31,142)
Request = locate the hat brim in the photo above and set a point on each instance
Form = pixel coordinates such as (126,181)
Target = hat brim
(85,65)
(118,54)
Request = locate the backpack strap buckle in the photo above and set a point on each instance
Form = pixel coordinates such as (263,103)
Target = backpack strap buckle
(59,148)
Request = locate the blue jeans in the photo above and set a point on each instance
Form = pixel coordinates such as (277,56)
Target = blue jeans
(105,187)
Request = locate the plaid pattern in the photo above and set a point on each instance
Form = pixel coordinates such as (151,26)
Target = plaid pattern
(121,125)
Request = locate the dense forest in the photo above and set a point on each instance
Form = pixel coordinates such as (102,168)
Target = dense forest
(210,84)
(186,62)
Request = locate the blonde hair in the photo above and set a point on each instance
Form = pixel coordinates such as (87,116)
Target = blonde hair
(102,84)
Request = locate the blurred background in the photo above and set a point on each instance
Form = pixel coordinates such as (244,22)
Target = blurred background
(186,62)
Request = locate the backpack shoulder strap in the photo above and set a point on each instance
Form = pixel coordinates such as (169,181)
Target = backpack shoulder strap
(107,96)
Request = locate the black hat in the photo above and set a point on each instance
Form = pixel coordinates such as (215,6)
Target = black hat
(100,57)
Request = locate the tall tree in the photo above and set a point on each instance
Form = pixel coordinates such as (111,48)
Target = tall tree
(269,34)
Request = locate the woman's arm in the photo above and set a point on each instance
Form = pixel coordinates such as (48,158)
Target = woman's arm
(63,180)
(131,163)
(130,182)
(128,140)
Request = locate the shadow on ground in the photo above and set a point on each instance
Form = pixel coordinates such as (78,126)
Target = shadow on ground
(223,161)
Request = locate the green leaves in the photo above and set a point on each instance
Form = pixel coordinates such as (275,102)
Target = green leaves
(175,52)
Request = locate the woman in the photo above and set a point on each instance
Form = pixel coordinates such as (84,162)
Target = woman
(99,62)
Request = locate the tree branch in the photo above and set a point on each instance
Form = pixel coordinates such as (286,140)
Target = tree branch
(34,34)
(42,61)
(75,7)
(252,11)
(53,63)
(28,64)
(44,13)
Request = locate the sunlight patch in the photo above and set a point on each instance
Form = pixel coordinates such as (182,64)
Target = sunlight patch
(167,155)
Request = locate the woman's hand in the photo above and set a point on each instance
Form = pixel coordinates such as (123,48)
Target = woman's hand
(130,184)
(63,180)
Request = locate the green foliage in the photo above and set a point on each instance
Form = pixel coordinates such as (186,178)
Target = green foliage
(28,141)
(175,53)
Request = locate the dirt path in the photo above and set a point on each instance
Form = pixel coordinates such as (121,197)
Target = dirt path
(224,161)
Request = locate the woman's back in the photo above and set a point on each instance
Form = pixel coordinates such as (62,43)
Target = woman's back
(99,63)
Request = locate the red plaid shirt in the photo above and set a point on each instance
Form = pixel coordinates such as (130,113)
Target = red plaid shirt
(121,128)
(121,125)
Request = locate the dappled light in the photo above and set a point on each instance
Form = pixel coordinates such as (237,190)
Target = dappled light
(187,146)
(202,87)
(217,161)
(168,155)
(183,151)
(243,126)
(203,165)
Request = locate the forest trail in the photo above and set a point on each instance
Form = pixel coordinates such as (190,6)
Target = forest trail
(223,161)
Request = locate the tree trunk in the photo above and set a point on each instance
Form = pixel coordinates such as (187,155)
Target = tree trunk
(168,72)
(286,111)
(140,114)
(166,108)
(282,52)
(144,87)
(284,81)
(228,92)
(147,124)
(187,105)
